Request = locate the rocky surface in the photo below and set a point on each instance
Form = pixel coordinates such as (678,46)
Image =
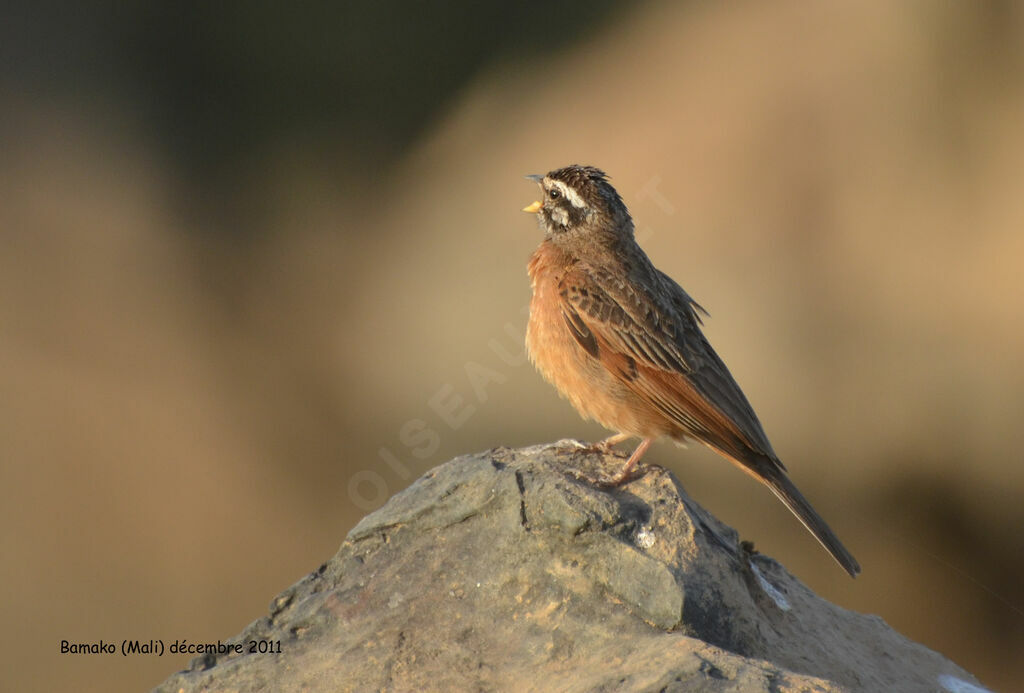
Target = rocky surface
(508,571)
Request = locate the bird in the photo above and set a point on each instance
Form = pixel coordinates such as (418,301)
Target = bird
(622,341)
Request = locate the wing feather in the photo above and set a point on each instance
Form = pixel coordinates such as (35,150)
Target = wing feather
(673,365)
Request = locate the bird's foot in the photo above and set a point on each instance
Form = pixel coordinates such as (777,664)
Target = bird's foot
(616,480)
(605,446)
(628,471)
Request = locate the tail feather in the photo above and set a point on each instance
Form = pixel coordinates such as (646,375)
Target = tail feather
(787,492)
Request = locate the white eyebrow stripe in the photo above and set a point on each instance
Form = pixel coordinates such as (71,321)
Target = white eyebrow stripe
(569,193)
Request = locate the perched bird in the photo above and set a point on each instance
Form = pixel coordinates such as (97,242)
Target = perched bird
(623,342)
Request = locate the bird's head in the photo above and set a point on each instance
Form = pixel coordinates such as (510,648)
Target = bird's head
(579,206)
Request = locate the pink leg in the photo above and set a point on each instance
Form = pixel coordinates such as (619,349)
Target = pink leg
(631,462)
(607,444)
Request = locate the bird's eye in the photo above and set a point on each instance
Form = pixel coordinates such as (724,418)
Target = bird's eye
(554,194)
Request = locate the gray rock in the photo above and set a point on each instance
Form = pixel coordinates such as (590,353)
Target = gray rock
(507,570)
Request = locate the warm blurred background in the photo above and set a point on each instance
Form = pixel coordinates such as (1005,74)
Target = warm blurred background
(250,255)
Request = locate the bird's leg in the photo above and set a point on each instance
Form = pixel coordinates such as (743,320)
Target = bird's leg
(630,463)
(606,445)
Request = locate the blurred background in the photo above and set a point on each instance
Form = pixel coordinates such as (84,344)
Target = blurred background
(263,267)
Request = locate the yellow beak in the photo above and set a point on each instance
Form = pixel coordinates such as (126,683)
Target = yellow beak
(532,209)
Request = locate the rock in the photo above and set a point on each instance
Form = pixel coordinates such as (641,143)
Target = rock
(508,571)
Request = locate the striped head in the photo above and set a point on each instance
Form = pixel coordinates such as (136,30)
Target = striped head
(578,204)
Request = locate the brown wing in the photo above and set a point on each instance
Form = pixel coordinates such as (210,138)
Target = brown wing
(651,339)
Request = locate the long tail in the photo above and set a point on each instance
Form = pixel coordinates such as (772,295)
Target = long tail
(787,492)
